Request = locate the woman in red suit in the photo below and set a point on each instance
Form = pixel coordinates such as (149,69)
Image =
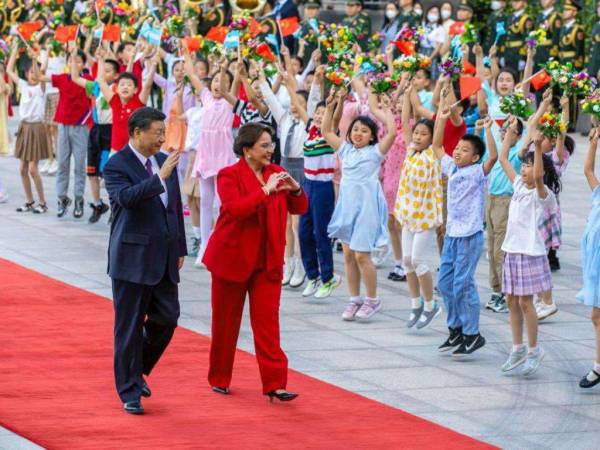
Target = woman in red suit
(245,256)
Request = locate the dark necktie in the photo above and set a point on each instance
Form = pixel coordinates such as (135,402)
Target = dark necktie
(289,139)
(149,167)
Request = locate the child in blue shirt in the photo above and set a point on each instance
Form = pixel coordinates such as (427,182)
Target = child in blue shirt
(463,241)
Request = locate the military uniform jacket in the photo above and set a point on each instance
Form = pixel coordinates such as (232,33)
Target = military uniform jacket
(411,19)
(514,48)
(594,55)
(549,47)
(571,46)
(489,32)
(361,24)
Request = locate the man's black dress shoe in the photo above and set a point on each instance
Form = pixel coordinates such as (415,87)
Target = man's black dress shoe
(133,407)
(220,390)
(146,392)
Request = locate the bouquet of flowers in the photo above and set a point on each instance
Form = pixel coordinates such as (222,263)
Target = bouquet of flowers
(123,14)
(376,42)
(535,37)
(382,82)
(581,84)
(551,126)
(518,105)
(470,34)
(4,50)
(175,26)
(337,39)
(315,30)
(340,68)
(451,68)
(591,105)
(411,63)
(192,11)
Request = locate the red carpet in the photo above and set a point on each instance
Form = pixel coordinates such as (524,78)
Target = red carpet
(56,388)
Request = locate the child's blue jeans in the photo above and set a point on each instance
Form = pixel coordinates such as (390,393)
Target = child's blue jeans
(456,283)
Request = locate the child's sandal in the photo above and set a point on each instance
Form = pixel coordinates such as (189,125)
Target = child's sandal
(26,207)
(41,208)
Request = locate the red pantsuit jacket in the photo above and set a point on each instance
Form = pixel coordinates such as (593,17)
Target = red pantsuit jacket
(232,250)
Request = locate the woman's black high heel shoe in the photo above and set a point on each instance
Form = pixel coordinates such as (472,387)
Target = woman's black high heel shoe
(282,396)
(220,390)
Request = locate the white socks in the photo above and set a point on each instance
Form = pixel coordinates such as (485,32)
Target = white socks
(597,367)
(415,303)
(518,347)
(428,305)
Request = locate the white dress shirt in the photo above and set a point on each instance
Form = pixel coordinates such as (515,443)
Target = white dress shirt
(155,170)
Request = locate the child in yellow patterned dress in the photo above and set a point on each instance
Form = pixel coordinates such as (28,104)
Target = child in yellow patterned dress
(419,209)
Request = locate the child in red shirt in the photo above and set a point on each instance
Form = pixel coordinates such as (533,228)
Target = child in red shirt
(124,101)
(73,115)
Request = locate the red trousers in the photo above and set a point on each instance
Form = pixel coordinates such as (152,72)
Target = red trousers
(227,307)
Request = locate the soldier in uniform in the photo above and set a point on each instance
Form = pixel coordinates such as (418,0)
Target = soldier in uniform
(594,56)
(548,19)
(359,22)
(464,13)
(519,26)
(498,16)
(307,33)
(215,15)
(408,16)
(571,46)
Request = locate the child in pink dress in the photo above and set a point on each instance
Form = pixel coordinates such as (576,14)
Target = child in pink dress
(215,147)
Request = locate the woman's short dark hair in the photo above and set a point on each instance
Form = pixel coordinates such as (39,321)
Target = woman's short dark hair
(81,54)
(143,118)
(367,122)
(510,71)
(248,135)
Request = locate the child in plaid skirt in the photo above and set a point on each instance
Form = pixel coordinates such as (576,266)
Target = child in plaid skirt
(526,271)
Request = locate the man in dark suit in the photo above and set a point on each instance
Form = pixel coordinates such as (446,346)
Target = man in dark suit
(145,252)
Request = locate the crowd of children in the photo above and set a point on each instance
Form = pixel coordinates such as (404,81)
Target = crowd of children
(420,171)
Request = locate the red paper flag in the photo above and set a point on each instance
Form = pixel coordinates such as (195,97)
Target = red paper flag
(192,43)
(288,26)
(457,28)
(264,51)
(500,122)
(540,80)
(217,34)
(255,28)
(405,47)
(469,68)
(66,33)
(28,28)
(111,33)
(468,86)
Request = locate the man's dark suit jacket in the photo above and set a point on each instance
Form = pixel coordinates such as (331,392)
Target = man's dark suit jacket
(146,239)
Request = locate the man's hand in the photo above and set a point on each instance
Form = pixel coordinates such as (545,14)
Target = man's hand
(180,262)
(169,164)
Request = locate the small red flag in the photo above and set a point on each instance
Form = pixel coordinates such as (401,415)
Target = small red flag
(255,28)
(500,122)
(217,34)
(66,33)
(111,33)
(405,47)
(28,28)
(468,86)
(540,80)
(264,51)
(469,68)
(192,43)
(457,28)
(288,26)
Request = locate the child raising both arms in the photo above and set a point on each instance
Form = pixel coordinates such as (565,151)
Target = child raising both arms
(526,271)
(419,210)
(590,257)
(463,242)
(359,219)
